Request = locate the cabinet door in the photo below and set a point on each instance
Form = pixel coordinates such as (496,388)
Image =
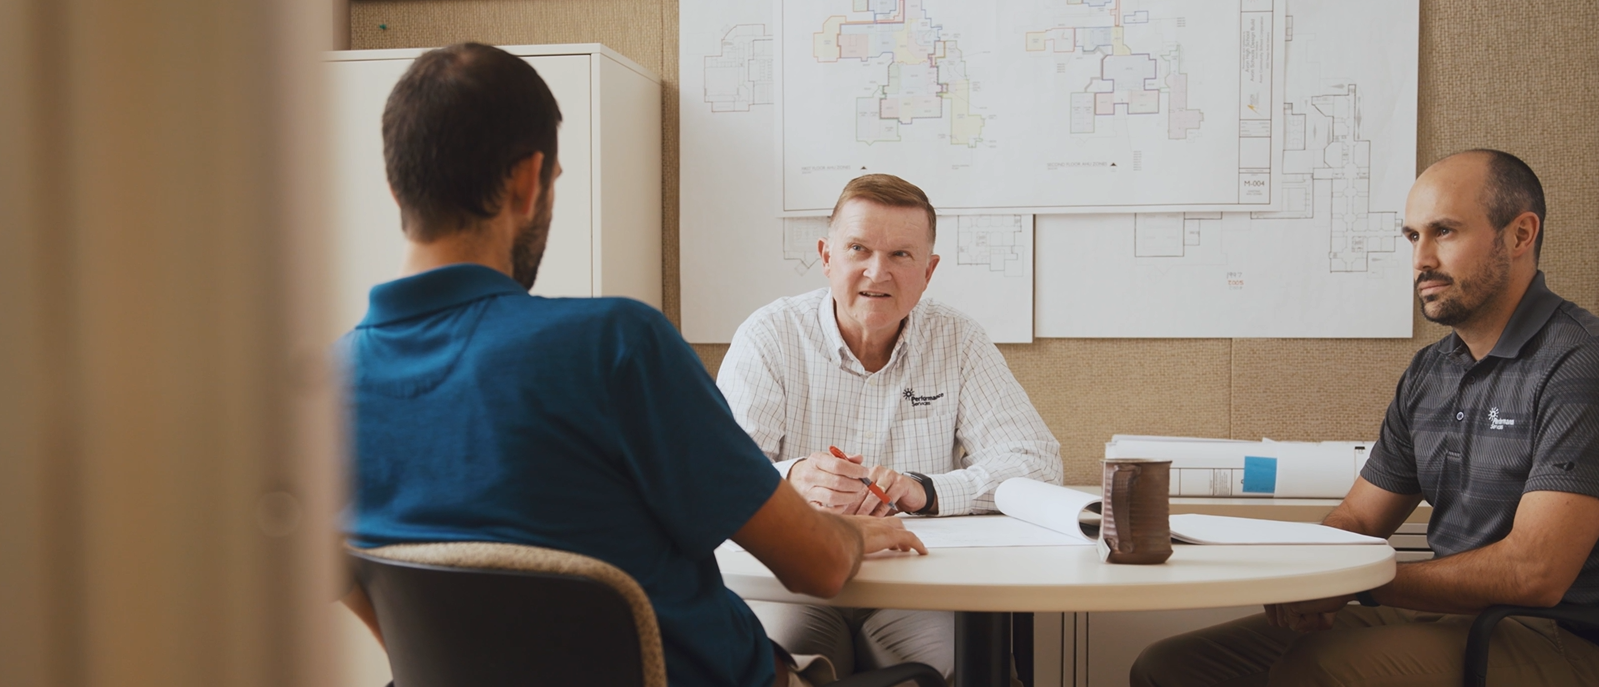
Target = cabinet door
(367,243)
(568,266)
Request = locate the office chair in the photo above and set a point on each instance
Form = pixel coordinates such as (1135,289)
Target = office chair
(1583,617)
(480,613)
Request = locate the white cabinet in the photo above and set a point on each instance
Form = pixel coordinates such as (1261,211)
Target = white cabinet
(605,234)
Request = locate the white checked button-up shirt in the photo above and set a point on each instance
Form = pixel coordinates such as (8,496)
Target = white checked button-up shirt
(945,405)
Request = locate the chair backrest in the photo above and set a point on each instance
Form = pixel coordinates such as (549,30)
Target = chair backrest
(479,613)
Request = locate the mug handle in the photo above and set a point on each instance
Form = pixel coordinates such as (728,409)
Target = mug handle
(1124,478)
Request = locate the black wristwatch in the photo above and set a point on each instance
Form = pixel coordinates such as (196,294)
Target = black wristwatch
(931,507)
(1366,599)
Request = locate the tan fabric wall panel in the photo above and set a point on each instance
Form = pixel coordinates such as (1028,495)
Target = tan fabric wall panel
(1514,77)
(1089,389)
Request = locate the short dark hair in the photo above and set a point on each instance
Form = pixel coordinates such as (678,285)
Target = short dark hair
(455,127)
(1512,188)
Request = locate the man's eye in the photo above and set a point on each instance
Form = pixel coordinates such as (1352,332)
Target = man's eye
(1443,231)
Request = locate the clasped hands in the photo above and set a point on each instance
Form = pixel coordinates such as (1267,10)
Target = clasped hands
(1307,616)
(834,484)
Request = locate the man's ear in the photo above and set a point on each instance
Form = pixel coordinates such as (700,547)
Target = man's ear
(932,264)
(1523,232)
(523,188)
(823,250)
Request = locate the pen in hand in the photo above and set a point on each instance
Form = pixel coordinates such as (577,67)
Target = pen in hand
(876,491)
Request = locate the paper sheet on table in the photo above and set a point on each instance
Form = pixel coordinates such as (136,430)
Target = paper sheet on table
(1045,505)
(1193,528)
(975,531)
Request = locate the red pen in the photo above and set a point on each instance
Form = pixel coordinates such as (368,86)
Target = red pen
(876,491)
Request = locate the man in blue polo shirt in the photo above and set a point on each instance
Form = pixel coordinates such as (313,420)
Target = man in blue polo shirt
(482,413)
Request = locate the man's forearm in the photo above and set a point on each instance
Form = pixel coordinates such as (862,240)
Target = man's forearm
(1463,583)
(851,539)
(961,488)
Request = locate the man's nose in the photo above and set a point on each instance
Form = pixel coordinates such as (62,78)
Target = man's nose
(1424,255)
(876,267)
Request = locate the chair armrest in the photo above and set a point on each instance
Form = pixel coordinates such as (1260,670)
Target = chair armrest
(1482,630)
(922,674)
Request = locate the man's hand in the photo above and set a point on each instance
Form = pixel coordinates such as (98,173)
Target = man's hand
(1307,616)
(905,493)
(885,534)
(832,484)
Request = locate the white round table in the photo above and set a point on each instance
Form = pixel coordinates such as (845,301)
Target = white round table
(987,584)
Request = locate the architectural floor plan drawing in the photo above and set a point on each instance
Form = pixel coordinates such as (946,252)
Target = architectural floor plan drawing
(740,76)
(800,235)
(995,242)
(1050,106)
(738,253)
(1329,263)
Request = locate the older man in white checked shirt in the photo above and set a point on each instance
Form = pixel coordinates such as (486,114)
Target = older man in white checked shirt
(912,391)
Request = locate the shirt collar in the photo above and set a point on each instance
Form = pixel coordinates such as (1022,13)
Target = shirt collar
(839,350)
(435,290)
(1537,305)
(829,319)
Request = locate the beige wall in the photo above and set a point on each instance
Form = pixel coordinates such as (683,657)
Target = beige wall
(1519,77)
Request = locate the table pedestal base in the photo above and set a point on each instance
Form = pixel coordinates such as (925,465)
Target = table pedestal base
(982,649)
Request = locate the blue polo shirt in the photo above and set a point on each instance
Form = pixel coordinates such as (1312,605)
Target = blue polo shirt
(482,413)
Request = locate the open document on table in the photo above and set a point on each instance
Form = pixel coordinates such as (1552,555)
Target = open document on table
(1039,514)
(1059,509)
(978,531)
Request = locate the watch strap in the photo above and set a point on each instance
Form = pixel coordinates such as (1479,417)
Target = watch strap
(931,507)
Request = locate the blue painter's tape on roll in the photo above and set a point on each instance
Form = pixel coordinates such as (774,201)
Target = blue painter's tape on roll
(1260,475)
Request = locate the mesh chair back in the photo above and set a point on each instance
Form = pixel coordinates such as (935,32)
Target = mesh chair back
(478,613)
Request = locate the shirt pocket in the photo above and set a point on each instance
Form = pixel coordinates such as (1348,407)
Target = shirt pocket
(923,444)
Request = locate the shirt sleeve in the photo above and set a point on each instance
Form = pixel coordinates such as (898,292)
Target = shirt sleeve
(701,476)
(1566,436)
(1001,432)
(1392,465)
(750,380)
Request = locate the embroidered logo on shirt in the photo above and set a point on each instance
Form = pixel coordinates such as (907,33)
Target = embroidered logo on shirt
(1496,422)
(910,395)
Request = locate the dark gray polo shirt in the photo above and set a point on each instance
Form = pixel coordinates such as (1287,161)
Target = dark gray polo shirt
(1472,436)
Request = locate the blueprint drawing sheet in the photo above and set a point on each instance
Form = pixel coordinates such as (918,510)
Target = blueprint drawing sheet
(737,251)
(1045,106)
(1328,263)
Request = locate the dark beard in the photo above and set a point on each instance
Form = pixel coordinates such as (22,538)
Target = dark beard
(528,250)
(1480,288)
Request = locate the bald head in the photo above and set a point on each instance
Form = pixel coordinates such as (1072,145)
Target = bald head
(1503,186)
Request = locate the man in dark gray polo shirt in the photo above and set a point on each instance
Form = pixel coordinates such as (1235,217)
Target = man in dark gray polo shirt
(1497,426)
